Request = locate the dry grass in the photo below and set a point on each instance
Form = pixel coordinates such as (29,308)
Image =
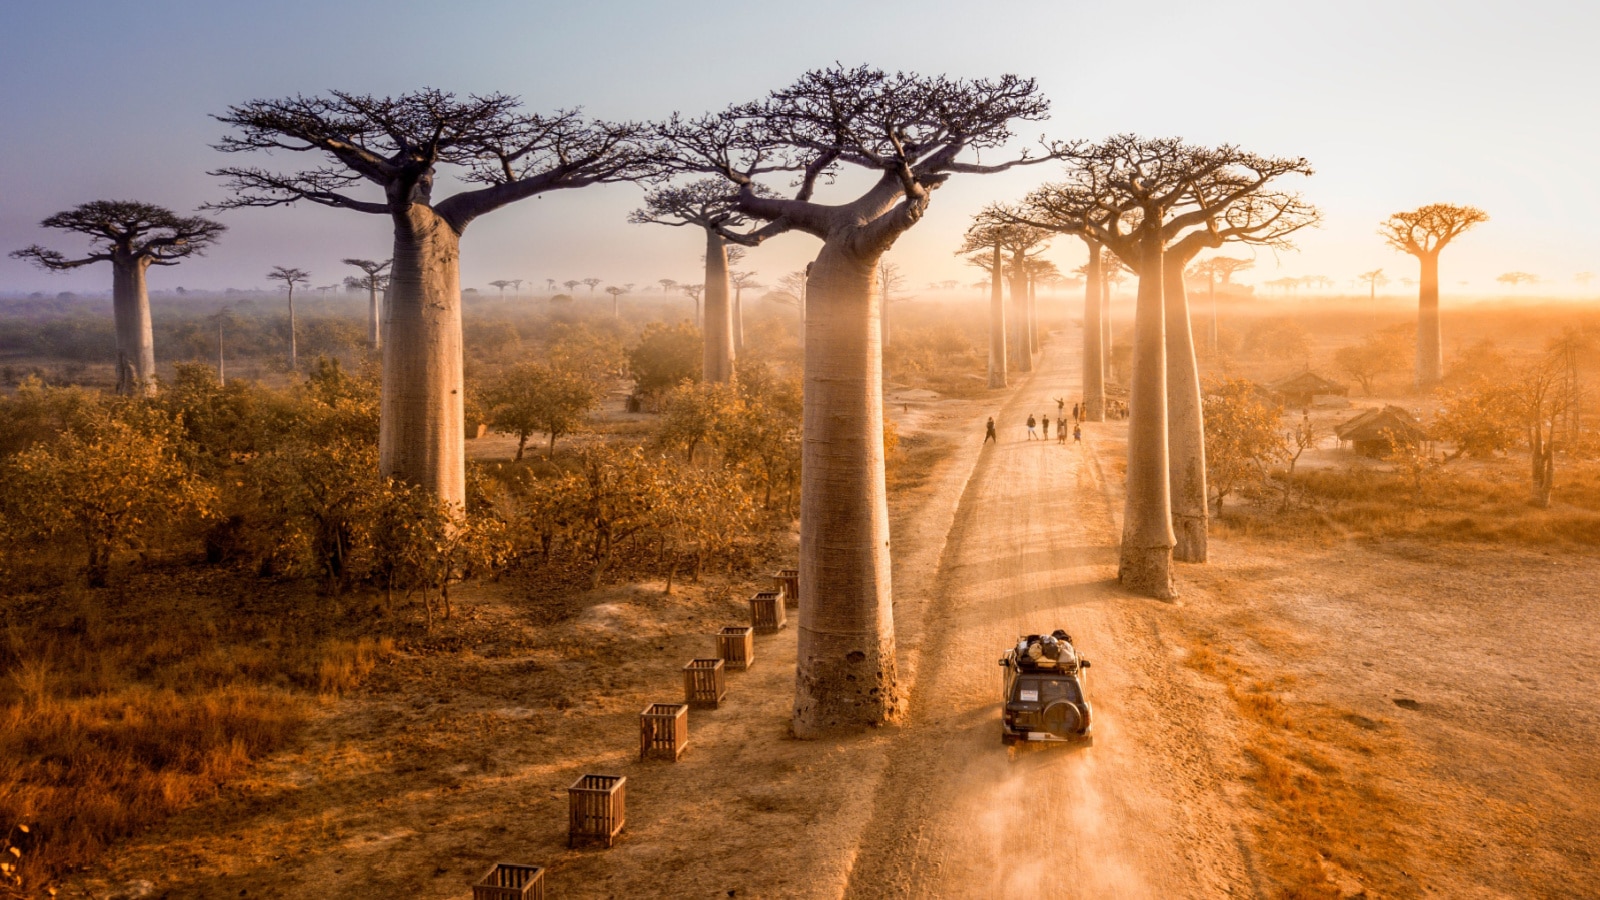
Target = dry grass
(118,709)
(1483,503)
(1327,830)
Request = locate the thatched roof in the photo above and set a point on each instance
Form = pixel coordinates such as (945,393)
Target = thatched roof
(1307,382)
(1379,424)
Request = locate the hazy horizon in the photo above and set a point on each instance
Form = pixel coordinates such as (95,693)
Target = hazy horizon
(1472,106)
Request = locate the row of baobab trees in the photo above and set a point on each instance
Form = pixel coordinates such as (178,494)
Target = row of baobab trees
(749,174)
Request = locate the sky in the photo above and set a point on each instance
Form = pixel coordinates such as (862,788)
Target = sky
(1396,104)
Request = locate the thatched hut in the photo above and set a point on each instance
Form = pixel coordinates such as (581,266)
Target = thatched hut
(1374,431)
(1303,389)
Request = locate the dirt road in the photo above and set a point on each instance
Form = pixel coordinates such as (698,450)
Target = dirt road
(1140,813)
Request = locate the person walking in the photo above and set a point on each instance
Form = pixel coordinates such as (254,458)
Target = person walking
(1075,412)
(1061,432)
(1061,407)
(1077,433)
(988,432)
(1046,423)
(1032,425)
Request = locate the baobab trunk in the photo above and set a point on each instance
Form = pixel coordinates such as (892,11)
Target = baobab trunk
(294,357)
(1186,435)
(1094,367)
(738,322)
(845,672)
(997,324)
(1145,566)
(421,433)
(130,307)
(1033,313)
(1105,323)
(1430,344)
(884,333)
(1019,343)
(374,317)
(718,366)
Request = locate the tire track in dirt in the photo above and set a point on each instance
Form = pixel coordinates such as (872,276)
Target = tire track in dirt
(1141,813)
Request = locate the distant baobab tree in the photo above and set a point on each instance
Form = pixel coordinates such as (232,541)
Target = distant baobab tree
(502,284)
(616,294)
(693,291)
(667,285)
(1156,204)
(1516,279)
(132,237)
(395,146)
(290,278)
(1423,233)
(550,285)
(1020,240)
(1375,279)
(984,244)
(741,282)
(1218,270)
(910,134)
(375,282)
(572,284)
(890,284)
(705,204)
(592,283)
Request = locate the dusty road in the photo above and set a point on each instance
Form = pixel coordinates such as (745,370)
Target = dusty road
(1140,813)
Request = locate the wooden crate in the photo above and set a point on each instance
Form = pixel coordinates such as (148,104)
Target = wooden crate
(788,581)
(510,881)
(596,806)
(705,682)
(766,612)
(663,730)
(736,645)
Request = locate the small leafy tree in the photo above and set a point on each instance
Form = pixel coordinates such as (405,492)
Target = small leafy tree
(1243,438)
(532,397)
(1380,353)
(693,414)
(1481,419)
(109,484)
(665,356)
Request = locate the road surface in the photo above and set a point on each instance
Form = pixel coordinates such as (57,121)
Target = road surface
(1141,812)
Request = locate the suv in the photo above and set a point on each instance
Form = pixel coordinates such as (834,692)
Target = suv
(1043,691)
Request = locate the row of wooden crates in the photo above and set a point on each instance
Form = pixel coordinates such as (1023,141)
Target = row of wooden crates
(597,804)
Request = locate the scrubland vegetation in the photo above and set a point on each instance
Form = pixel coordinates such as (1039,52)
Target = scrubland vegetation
(188,574)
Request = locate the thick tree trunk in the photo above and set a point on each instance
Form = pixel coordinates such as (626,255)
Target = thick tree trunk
(738,322)
(1033,314)
(997,324)
(1019,343)
(718,366)
(1186,433)
(883,325)
(1430,344)
(845,673)
(1105,322)
(130,310)
(421,438)
(1146,561)
(374,318)
(294,356)
(1094,368)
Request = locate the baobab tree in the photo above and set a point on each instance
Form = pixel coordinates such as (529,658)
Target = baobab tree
(1157,203)
(693,292)
(1218,270)
(667,285)
(373,280)
(1516,279)
(291,277)
(1423,233)
(550,285)
(616,294)
(1374,279)
(890,283)
(132,237)
(592,282)
(396,144)
(795,284)
(741,282)
(985,242)
(572,284)
(706,204)
(911,132)
(501,286)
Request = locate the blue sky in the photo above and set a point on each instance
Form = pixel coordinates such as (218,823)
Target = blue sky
(1397,104)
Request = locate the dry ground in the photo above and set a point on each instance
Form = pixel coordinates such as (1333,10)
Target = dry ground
(1305,721)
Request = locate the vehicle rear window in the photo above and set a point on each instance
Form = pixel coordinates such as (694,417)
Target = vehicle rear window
(1046,690)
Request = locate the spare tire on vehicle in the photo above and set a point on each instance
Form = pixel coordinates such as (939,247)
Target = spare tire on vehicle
(1061,718)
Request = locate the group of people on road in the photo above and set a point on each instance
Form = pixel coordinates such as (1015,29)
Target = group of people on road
(1034,425)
